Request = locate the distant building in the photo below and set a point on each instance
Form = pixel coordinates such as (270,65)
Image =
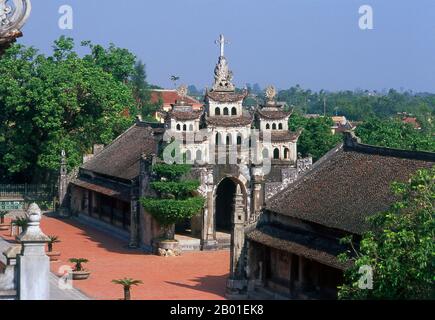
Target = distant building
(169,98)
(412,121)
(341,124)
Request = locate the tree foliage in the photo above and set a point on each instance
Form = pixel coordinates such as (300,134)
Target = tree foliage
(395,134)
(316,138)
(176,199)
(62,101)
(360,104)
(400,246)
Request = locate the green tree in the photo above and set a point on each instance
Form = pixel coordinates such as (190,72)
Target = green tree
(400,246)
(395,134)
(176,199)
(50,103)
(316,138)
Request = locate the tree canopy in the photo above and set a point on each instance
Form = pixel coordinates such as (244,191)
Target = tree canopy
(316,138)
(394,133)
(62,101)
(399,248)
(176,197)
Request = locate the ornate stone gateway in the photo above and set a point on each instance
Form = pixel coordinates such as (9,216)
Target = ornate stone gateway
(13,15)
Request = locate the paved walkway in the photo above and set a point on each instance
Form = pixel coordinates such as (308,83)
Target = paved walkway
(192,276)
(55,292)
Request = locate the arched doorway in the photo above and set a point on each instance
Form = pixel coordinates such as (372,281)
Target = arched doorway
(225,193)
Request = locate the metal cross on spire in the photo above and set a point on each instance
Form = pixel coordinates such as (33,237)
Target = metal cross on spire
(222,42)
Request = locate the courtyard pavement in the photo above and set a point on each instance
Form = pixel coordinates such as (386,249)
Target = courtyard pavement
(192,276)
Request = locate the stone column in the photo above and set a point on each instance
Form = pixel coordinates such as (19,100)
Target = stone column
(133,220)
(237,283)
(208,233)
(33,263)
(63,186)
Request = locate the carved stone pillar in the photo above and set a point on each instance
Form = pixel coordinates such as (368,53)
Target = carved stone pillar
(63,187)
(208,233)
(146,224)
(237,283)
(134,232)
(33,263)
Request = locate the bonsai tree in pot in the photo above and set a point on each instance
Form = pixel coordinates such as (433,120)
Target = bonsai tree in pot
(52,254)
(2,220)
(79,273)
(21,223)
(127,283)
(176,201)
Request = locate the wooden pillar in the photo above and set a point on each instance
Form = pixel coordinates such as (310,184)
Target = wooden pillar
(302,279)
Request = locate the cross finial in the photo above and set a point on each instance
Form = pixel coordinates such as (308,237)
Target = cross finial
(221,42)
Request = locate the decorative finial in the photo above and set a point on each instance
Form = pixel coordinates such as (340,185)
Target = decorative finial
(270,93)
(222,42)
(62,153)
(182,91)
(13,15)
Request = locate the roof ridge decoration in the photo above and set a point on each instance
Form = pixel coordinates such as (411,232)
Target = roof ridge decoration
(222,73)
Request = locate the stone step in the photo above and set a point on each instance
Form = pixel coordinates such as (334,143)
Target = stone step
(261,293)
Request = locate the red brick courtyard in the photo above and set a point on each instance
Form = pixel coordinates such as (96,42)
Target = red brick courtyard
(192,276)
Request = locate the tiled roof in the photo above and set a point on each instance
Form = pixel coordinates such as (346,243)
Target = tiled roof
(282,136)
(274,115)
(223,96)
(185,115)
(348,184)
(121,158)
(109,189)
(170,97)
(304,243)
(230,121)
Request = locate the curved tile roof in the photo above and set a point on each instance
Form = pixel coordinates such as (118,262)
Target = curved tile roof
(347,185)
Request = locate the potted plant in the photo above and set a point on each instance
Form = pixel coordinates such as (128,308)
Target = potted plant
(79,273)
(127,283)
(176,201)
(54,255)
(3,226)
(21,224)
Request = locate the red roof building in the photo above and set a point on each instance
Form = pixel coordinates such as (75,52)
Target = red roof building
(170,97)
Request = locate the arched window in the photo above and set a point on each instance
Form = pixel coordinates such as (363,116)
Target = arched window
(234,111)
(178,127)
(280,126)
(217,112)
(191,127)
(226,111)
(276,153)
(184,128)
(268,126)
(274,126)
(239,140)
(228,139)
(217,139)
(265,153)
(286,153)
(188,155)
(198,155)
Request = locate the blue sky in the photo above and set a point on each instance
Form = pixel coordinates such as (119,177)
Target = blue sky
(314,43)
